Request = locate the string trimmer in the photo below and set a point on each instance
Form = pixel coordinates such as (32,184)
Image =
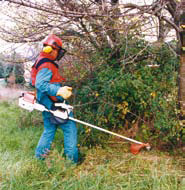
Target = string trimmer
(28,102)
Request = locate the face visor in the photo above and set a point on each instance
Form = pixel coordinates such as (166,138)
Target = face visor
(61,53)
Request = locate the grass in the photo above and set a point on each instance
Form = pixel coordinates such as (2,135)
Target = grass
(107,168)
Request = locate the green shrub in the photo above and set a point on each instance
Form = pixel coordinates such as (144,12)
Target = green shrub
(125,93)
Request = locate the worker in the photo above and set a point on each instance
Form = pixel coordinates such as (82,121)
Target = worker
(47,81)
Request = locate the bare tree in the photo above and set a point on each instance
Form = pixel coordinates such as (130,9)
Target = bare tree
(93,25)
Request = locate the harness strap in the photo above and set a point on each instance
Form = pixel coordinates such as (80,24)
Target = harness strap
(40,62)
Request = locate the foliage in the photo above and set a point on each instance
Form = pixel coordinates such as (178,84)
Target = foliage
(129,95)
(19,73)
(17,70)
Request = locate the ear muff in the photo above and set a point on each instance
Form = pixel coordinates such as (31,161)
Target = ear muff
(47,49)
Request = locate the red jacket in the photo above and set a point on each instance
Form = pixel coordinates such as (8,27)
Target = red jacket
(55,77)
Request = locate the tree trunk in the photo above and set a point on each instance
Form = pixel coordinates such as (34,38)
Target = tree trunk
(182,83)
(181,18)
(161,35)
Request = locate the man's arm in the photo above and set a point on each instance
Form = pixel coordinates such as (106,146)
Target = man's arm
(43,82)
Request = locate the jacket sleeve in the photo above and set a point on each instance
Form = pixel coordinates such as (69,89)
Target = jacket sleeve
(43,82)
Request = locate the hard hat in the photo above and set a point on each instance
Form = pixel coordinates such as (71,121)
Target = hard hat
(53,41)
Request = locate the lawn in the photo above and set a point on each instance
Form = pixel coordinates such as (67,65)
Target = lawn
(111,167)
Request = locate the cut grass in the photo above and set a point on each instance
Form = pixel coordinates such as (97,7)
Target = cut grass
(103,168)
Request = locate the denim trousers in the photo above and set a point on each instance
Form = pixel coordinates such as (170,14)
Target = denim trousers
(70,138)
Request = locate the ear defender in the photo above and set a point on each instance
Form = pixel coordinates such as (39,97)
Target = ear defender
(47,49)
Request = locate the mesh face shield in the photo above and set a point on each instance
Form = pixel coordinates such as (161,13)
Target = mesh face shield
(61,53)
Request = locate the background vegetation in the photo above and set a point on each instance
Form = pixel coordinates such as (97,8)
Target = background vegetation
(12,72)
(133,98)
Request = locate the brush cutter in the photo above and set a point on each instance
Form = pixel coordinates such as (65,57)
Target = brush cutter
(28,102)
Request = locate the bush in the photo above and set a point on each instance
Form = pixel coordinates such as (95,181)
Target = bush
(127,95)
(17,70)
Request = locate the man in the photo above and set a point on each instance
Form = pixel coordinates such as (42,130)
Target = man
(49,91)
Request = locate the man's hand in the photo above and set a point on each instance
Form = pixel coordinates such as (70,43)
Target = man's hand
(65,92)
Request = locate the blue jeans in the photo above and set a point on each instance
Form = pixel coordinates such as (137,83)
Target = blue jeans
(70,139)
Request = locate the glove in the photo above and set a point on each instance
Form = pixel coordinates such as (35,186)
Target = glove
(65,92)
